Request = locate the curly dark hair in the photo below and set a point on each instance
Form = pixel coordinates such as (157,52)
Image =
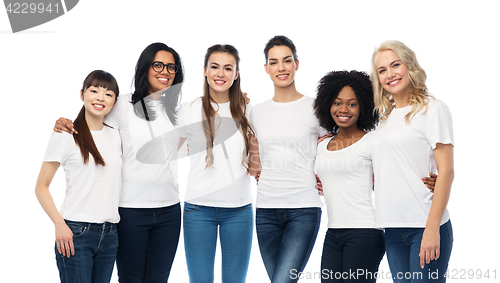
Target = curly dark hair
(329,88)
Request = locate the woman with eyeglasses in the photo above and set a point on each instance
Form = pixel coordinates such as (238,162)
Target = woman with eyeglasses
(149,205)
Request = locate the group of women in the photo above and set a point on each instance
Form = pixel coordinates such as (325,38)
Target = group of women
(136,145)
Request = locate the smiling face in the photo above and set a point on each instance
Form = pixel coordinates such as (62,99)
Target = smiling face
(98,101)
(393,74)
(221,71)
(158,81)
(281,65)
(345,108)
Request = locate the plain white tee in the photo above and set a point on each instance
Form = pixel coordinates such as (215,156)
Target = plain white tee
(402,156)
(150,179)
(288,135)
(227,183)
(92,191)
(347,178)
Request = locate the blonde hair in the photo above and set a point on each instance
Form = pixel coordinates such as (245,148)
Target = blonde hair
(419,99)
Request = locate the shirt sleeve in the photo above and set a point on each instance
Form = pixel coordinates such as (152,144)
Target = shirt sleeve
(440,126)
(57,150)
(181,119)
(114,117)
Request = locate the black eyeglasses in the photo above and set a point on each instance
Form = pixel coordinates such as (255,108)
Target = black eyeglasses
(159,66)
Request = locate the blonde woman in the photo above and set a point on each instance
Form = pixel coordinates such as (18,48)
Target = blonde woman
(415,136)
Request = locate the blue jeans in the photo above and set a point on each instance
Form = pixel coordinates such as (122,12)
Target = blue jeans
(403,247)
(95,253)
(286,238)
(201,224)
(148,243)
(352,255)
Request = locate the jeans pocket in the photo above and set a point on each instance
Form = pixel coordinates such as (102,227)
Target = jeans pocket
(190,208)
(78,228)
(113,229)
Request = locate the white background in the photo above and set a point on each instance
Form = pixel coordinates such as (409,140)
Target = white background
(42,69)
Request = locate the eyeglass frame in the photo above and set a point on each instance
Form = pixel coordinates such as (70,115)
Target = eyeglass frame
(165,65)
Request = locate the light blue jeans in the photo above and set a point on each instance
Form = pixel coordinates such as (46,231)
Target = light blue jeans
(201,227)
(286,239)
(402,246)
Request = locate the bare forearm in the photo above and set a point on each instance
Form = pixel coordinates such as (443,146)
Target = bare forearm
(253,156)
(440,199)
(45,199)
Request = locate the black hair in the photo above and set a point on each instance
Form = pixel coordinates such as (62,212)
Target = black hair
(329,88)
(170,98)
(280,40)
(84,139)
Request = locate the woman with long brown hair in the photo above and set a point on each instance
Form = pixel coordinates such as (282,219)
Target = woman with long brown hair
(218,196)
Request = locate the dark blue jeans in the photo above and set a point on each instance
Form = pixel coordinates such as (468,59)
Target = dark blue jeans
(148,243)
(403,248)
(352,255)
(95,253)
(286,238)
(201,226)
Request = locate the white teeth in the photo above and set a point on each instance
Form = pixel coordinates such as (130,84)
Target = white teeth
(282,76)
(98,106)
(163,80)
(393,82)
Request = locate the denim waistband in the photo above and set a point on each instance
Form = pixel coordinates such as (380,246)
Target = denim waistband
(106,226)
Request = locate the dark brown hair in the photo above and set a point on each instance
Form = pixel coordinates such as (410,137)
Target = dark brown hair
(83,139)
(237,105)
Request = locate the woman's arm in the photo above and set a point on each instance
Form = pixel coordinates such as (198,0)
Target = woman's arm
(64,236)
(254,157)
(429,249)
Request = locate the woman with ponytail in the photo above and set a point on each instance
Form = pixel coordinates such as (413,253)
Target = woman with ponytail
(218,196)
(85,225)
(149,204)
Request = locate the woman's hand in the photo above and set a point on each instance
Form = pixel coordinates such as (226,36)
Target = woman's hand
(65,125)
(247,99)
(319,186)
(429,247)
(325,137)
(430,181)
(64,240)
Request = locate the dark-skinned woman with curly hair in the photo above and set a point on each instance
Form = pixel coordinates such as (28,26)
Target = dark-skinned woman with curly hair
(344,106)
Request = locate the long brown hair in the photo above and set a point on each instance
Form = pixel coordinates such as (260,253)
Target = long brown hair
(237,105)
(83,139)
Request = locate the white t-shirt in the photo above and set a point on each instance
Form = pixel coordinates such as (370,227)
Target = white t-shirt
(288,136)
(92,191)
(402,156)
(227,183)
(346,175)
(146,182)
